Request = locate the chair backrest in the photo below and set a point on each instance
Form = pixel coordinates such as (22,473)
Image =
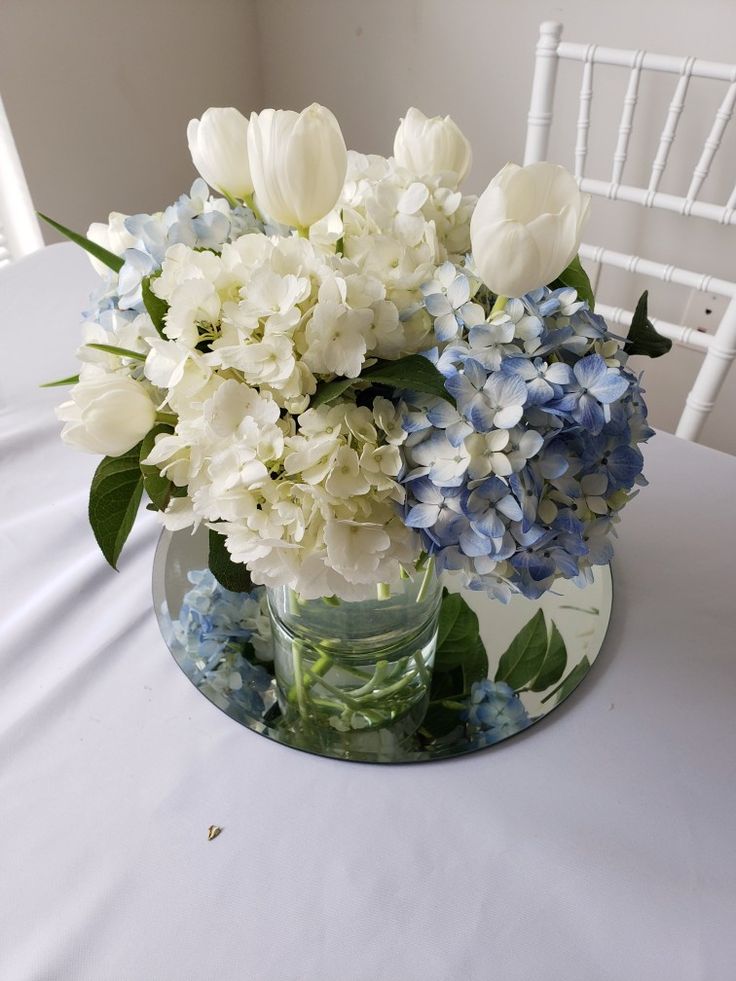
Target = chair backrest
(720,347)
(19,228)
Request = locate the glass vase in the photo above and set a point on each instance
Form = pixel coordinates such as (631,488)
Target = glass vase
(355,666)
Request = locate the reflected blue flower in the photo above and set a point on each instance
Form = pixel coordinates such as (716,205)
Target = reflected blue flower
(494,711)
(220,639)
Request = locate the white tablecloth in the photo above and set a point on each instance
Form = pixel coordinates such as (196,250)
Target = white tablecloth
(599,845)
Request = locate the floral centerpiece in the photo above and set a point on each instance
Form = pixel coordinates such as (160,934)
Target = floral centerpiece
(354,375)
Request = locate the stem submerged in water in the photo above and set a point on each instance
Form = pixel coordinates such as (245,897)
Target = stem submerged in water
(426,580)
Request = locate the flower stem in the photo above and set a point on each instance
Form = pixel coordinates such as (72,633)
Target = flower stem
(426,579)
(303,681)
(422,668)
(383,590)
(296,651)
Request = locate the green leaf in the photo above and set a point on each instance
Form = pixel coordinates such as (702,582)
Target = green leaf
(523,659)
(461,657)
(331,391)
(577,277)
(232,575)
(460,660)
(71,380)
(114,496)
(156,308)
(413,372)
(572,680)
(107,258)
(158,487)
(457,622)
(475,665)
(458,632)
(122,352)
(643,338)
(554,663)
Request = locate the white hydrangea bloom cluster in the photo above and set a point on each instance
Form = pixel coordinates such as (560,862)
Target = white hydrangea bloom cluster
(399,229)
(309,502)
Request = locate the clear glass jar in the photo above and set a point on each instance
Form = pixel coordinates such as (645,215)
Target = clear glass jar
(353,666)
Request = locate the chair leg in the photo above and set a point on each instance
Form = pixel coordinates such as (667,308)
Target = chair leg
(710,378)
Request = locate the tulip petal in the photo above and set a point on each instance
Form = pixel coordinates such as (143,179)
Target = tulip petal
(556,239)
(314,165)
(507,258)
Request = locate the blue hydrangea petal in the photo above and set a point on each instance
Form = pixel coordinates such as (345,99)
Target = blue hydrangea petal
(438,305)
(610,387)
(590,370)
(446,327)
(422,516)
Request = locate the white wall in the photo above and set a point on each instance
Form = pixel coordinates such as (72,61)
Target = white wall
(99,93)
(370,59)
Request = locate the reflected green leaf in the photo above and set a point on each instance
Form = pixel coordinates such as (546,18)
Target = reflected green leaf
(554,663)
(523,659)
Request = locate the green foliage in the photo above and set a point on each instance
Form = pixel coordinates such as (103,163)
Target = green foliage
(232,575)
(460,660)
(159,488)
(571,682)
(643,338)
(459,643)
(523,659)
(121,352)
(71,380)
(114,496)
(413,372)
(156,308)
(577,277)
(106,257)
(534,660)
(554,663)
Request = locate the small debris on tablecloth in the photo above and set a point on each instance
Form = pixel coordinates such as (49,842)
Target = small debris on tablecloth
(212,832)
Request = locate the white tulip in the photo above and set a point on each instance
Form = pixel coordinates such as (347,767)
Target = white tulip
(113,236)
(428,146)
(218,143)
(107,413)
(298,162)
(526,227)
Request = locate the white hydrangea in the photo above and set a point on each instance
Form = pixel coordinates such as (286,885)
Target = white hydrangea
(311,504)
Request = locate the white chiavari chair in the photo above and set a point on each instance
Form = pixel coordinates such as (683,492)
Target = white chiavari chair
(719,348)
(19,228)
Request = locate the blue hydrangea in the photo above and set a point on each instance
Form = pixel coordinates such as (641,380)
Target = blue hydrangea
(219,638)
(195,219)
(522,480)
(494,712)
